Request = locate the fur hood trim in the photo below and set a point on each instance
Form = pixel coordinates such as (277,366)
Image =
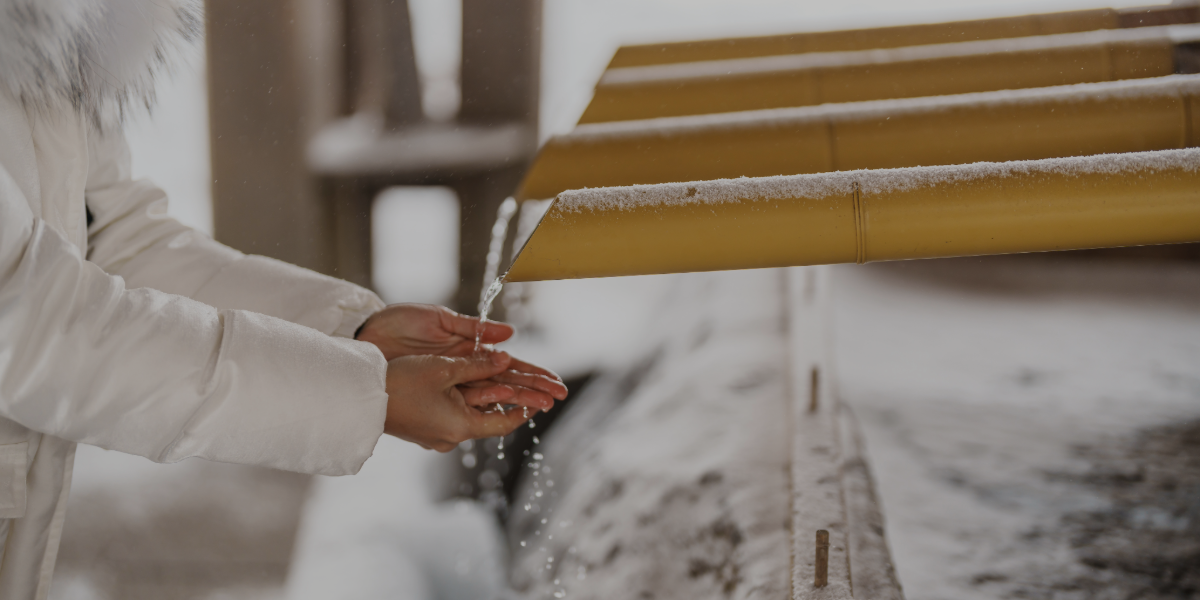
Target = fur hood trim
(98,57)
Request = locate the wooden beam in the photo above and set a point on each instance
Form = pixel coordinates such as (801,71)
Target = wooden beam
(264,201)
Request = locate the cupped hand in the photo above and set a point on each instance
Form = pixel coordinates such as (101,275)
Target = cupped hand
(413,329)
(435,401)
(419,329)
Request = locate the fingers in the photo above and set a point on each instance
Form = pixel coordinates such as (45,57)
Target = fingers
(481,394)
(493,424)
(525,367)
(540,383)
(463,348)
(533,399)
(474,368)
(467,327)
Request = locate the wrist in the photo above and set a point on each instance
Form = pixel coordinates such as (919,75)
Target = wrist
(367,333)
(362,327)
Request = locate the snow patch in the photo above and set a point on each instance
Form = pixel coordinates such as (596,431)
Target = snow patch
(870,181)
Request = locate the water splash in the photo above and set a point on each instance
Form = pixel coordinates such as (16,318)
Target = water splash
(491,458)
(485,306)
(493,281)
(541,493)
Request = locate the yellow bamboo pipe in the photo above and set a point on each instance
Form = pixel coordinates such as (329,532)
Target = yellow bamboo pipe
(915,71)
(860,216)
(1079,120)
(903,35)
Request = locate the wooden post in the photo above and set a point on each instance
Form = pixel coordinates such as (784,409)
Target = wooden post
(821,572)
(814,390)
(351,202)
(264,200)
(381,64)
(501,61)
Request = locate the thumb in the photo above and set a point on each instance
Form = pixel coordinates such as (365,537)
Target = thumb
(476,368)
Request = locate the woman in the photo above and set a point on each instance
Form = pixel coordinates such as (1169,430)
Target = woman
(120,327)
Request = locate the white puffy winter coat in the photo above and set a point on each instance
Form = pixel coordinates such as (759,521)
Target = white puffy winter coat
(141,335)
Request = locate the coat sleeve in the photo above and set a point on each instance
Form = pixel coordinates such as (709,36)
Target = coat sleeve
(162,376)
(132,236)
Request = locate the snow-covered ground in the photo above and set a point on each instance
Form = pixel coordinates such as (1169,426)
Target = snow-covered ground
(669,479)
(980,387)
(996,393)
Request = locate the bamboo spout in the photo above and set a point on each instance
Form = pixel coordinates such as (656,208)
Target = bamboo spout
(861,216)
(1078,120)
(697,88)
(905,35)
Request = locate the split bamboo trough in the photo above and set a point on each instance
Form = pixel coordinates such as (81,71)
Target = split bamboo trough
(915,71)
(905,35)
(1124,116)
(862,216)
(837,167)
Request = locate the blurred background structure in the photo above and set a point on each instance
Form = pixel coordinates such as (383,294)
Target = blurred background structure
(1031,419)
(338,112)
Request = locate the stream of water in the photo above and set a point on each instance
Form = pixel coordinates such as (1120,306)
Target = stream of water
(493,280)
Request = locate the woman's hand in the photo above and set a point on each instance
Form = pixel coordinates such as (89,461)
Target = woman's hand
(414,329)
(433,400)
(422,329)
